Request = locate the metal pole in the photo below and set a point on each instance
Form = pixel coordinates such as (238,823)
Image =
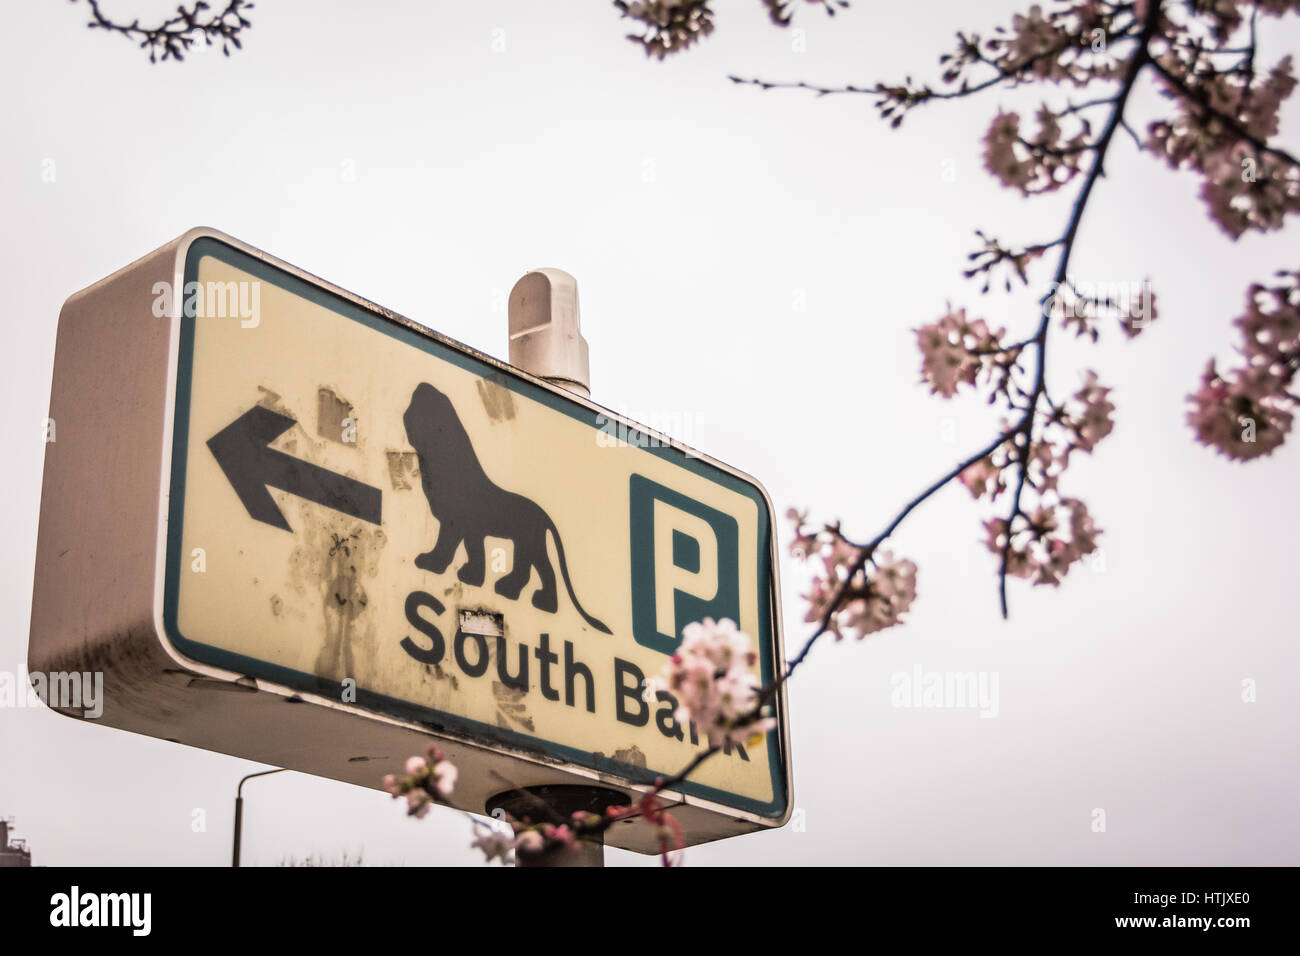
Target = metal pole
(562,800)
(546,340)
(239,829)
(239,811)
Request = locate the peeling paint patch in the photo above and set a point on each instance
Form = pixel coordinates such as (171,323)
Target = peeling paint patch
(630,755)
(481,620)
(498,401)
(272,400)
(331,412)
(402,469)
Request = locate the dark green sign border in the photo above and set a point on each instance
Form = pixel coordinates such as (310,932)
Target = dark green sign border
(435,720)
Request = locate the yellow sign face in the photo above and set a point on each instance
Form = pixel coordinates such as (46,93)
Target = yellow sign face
(367,512)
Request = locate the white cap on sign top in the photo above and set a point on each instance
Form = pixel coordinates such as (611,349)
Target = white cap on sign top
(545,338)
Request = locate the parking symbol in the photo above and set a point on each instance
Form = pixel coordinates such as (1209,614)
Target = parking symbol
(685,564)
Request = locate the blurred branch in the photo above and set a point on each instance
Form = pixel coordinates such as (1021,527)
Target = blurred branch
(172,38)
(671,26)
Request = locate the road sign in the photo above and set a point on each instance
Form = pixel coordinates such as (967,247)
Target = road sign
(293,526)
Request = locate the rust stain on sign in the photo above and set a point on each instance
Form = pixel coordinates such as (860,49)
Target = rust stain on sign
(335,560)
(347,564)
(512,710)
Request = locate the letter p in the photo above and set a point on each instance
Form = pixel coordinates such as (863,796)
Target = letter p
(685,560)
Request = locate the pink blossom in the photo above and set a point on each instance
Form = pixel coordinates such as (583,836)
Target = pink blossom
(529,841)
(1247,413)
(890,591)
(1001,152)
(1242,418)
(1090,417)
(1037,163)
(1033,35)
(1244,187)
(1040,550)
(982,477)
(712,677)
(445,772)
(670,26)
(875,597)
(805,542)
(952,351)
(562,835)
(426,780)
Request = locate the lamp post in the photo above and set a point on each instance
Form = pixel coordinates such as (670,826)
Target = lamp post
(239,810)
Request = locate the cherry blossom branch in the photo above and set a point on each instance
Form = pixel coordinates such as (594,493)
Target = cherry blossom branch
(1198,98)
(1140,58)
(1132,134)
(915,96)
(957,350)
(696,762)
(894,101)
(866,552)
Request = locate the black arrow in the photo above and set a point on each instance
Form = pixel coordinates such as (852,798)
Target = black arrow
(241,449)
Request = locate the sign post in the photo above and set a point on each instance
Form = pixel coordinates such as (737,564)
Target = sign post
(290,525)
(544,331)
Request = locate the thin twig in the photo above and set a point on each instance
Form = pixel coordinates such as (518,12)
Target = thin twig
(1141,56)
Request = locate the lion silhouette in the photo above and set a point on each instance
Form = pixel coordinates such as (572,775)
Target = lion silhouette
(470,507)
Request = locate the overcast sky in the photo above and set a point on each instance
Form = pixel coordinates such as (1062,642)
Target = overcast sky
(754,263)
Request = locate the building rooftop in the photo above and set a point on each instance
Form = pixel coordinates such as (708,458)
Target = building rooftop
(12,852)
